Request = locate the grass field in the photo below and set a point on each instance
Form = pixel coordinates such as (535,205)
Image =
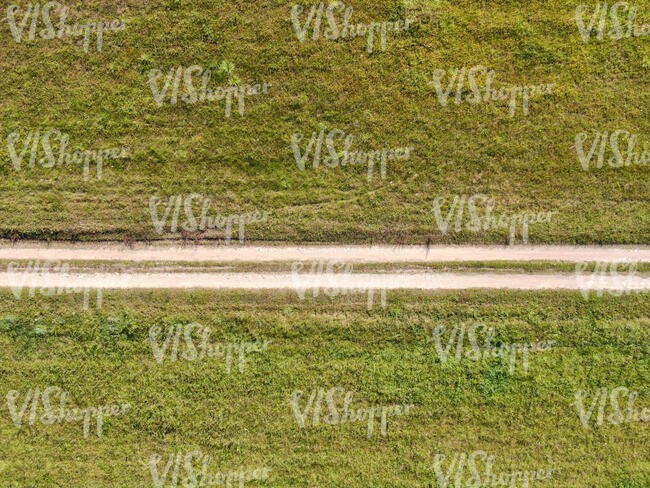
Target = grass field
(263,399)
(384,99)
(385,356)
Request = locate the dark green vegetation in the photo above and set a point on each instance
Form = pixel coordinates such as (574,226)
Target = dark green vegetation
(385,356)
(384,99)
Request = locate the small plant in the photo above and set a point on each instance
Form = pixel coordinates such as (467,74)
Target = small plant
(145,58)
(226,69)
(207,33)
(39,331)
(496,381)
(224,72)
(646,62)
(114,326)
(7,322)
(536,52)
(298,101)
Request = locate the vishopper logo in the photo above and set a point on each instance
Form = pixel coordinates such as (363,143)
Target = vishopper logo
(474,462)
(333,398)
(615,140)
(617,417)
(421,12)
(333,278)
(483,351)
(30,275)
(614,278)
(60,157)
(60,413)
(486,222)
(62,29)
(600,14)
(191,96)
(199,474)
(204,349)
(479,95)
(345,157)
(342,29)
(206,222)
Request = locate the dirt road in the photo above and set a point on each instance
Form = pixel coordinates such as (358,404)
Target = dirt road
(352,254)
(302,281)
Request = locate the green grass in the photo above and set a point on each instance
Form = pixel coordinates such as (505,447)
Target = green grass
(384,99)
(286,267)
(384,355)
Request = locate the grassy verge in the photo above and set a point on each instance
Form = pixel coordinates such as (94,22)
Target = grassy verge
(385,356)
(286,267)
